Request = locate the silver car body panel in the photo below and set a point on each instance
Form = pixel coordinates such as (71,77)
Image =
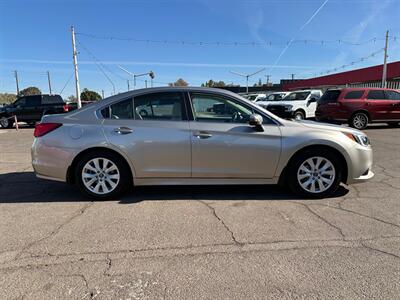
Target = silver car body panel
(168,152)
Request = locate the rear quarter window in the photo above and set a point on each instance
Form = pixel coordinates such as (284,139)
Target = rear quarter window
(329,97)
(53,99)
(354,95)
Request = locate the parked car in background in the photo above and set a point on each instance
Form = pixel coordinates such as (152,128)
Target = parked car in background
(30,109)
(106,147)
(360,106)
(298,105)
(255,97)
(271,98)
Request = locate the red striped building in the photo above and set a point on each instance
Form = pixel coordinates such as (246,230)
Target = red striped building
(365,77)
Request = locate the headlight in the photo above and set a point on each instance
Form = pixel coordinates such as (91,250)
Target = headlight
(288,107)
(359,138)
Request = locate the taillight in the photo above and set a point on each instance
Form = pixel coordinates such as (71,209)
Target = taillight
(66,108)
(44,128)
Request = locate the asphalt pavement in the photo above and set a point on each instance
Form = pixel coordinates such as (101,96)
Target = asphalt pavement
(234,242)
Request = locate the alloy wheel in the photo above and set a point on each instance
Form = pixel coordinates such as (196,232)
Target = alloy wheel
(4,122)
(360,121)
(316,174)
(100,175)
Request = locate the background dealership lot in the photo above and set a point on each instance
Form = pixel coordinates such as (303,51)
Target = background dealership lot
(209,242)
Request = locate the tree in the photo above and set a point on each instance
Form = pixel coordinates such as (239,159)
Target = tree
(88,95)
(32,90)
(212,83)
(7,98)
(72,98)
(179,82)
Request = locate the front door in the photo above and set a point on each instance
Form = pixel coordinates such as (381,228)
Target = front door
(225,146)
(153,131)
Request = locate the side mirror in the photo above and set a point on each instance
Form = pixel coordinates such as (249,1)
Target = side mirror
(256,120)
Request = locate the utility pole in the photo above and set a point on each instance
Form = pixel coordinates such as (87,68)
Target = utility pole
(16,81)
(102,94)
(75,60)
(384,83)
(48,79)
(292,76)
(145,82)
(127,81)
(247,77)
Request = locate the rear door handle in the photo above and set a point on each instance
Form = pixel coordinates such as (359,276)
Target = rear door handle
(123,130)
(202,134)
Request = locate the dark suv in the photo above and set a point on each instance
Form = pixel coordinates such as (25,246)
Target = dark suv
(359,106)
(30,109)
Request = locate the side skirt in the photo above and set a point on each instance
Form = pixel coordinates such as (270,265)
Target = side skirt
(203,181)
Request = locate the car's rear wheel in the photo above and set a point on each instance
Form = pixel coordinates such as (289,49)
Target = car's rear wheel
(299,115)
(6,122)
(315,173)
(359,120)
(102,175)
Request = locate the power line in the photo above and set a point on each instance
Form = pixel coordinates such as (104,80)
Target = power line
(99,64)
(236,43)
(362,59)
(65,85)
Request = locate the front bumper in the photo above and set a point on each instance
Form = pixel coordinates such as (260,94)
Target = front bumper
(360,164)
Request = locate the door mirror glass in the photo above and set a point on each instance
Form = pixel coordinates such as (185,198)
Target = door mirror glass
(256,120)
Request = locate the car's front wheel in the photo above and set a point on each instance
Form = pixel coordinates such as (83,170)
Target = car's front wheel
(315,173)
(102,175)
(359,121)
(299,115)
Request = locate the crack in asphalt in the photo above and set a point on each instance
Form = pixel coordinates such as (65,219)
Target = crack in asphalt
(338,229)
(379,250)
(80,212)
(221,221)
(358,213)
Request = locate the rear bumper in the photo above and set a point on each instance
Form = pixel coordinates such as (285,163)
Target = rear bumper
(50,162)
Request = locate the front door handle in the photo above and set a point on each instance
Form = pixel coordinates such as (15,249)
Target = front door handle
(202,134)
(123,130)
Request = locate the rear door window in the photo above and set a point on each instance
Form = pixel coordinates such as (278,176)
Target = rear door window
(329,97)
(167,106)
(376,95)
(354,95)
(52,99)
(121,110)
(33,101)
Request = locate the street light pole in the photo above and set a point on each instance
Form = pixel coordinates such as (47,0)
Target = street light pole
(247,76)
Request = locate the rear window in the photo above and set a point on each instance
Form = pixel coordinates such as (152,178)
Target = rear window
(376,94)
(52,99)
(329,97)
(354,95)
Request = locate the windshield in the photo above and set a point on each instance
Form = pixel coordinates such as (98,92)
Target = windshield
(274,97)
(297,96)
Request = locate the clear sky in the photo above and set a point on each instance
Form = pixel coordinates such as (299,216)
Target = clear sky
(35,37)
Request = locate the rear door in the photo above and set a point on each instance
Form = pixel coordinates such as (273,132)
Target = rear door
(394,99)
(377,105)
(225,146)
(328,104)
(153,131)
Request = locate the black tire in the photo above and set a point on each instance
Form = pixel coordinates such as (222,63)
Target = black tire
(5,122)
(393,124)
(359,120)
(125,178)
(299,159)
(299,115)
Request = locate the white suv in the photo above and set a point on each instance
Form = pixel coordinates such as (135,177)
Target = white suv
(271,98)
(298,105)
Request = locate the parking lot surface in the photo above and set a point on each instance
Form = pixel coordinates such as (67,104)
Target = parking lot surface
(232,242)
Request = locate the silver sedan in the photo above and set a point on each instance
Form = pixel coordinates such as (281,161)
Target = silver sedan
(192,136)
